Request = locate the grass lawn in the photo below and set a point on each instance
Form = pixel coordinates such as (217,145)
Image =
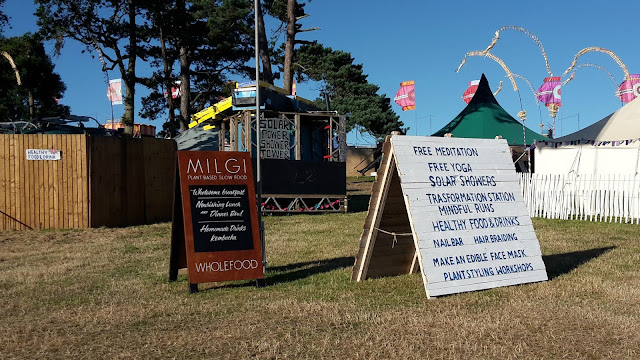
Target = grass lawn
(104,293)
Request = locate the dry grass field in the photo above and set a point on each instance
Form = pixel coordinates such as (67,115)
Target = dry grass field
(104,293)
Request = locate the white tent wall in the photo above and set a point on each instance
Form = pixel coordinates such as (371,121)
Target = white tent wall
(585,182)
(588,159)
(591,179)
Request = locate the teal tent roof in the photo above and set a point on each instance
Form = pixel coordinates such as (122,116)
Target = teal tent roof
(484,118)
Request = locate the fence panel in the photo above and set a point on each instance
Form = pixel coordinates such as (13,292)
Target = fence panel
(41,194)
(97,181)
(601,197)
(131,180)
(159,171)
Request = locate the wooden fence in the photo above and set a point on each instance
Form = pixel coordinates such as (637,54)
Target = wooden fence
(611,198)
(97,181)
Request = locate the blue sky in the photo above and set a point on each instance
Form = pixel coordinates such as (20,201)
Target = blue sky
(425,41)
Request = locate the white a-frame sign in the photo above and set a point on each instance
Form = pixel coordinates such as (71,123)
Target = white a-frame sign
(450,208)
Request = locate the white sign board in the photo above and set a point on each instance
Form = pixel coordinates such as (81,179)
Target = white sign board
(467,214)
(43,154)
(275,138)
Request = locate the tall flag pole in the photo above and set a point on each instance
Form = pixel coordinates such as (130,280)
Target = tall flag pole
(104,70)
(256,3)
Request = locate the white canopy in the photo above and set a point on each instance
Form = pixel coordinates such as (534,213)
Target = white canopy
(624,124)
(609,146)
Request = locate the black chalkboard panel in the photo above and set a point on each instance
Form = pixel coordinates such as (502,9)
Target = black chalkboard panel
(221,218)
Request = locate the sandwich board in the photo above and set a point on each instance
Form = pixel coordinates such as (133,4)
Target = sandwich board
(450,208)
(215,232)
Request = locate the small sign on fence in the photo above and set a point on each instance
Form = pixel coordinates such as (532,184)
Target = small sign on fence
(275,138)
(43,154)
(453,209)
(215,227)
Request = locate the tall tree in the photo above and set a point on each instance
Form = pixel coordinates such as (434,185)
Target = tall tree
(289,13)
(177,31)
(294,13)
(40,87)
(4,20)
(207,40)
(107,26)
(263,46)
(347,87)
(289,44)
(162,56)
(229,45)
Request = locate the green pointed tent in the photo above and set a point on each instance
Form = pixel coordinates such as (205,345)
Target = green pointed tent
(484,118)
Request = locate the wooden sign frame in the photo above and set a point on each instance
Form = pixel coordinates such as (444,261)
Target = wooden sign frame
(215,233)
(451,209)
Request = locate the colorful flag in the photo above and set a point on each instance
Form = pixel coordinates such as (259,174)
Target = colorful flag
(629,89)
(114,93)
(406,96)
(175,90)
(471,90)
(294,87)
(549,92)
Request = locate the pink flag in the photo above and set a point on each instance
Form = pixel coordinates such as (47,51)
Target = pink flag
(629,89)
(114,93)
(471,90)
(406,96)
(549,92)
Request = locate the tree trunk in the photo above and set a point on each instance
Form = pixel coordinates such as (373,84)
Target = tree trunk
(130,77)
(267,75)
(168,79)
(288,49)
(30,106)
(185,89)
(185,64)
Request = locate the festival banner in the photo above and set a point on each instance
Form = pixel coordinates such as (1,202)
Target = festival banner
(114,92)
(175,90)
(549,92)
(406,97)
(471,90)
(629,89)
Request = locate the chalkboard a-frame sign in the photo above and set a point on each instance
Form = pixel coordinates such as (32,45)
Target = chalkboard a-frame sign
(451,209)
(215,232)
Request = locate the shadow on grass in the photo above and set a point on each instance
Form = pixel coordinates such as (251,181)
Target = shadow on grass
(560,264)
(358,202)
(283,274)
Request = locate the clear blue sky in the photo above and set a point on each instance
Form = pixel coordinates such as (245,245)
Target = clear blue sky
(425,41)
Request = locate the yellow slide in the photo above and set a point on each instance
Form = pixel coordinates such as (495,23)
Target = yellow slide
(212,112)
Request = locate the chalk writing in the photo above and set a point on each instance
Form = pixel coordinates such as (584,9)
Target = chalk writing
(226,225)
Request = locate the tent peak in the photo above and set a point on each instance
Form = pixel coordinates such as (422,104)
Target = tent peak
(483,94)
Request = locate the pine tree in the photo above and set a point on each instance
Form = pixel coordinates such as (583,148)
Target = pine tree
(109,27)
(4,20)
(346,86)
(204,43)
(40,87)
